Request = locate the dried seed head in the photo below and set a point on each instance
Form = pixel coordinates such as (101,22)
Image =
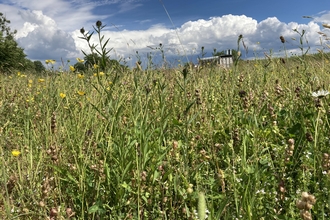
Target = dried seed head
(291,148)
(165,199)
(175,144)
(53,123)
(305,215)
(282,189)
(308,206)
(290,152)
(300,204)
(69,212)
(53,212)
(11,184)
(282,39)
(304,196)
(242,93)
(291,141)
(309,137)
(82,30)
(42,204)
(311,199)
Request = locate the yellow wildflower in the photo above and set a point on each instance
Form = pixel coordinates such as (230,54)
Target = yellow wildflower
(326,25)
(30,100)
(18,73)
(81,93)
(80,60)
(50,61)
(101,73)
(72,68)
(81,76)
(62,95)
(96,66)
(41,80)
(15,153)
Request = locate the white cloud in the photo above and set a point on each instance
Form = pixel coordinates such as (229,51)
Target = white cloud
(51,31)
(42,39)
(128,6)
(323,17)
(217,32)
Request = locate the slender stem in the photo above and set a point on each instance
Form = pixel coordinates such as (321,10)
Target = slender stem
(315,139)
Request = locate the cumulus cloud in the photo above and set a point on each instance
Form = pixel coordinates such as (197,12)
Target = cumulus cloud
(323,17)
(51,31)
(42,39)
(217,32)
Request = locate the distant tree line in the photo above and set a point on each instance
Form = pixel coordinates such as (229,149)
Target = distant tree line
(94,59)
(13,58)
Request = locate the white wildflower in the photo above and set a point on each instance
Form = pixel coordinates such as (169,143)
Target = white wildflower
(320,93)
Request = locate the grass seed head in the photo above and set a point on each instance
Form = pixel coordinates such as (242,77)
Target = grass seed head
(201,205)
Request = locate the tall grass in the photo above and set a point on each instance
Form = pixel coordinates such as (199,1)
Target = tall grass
(241,143)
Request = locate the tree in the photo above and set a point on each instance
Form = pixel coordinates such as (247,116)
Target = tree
(80,67)
(38,66)
(91,59)
(12,56)
(216,53)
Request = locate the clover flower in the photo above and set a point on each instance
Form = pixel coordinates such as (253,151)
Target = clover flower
(320,93)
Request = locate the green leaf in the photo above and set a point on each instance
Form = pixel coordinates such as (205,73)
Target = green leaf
(96,208)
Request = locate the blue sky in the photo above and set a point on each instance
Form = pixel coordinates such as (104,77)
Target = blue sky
(49,29)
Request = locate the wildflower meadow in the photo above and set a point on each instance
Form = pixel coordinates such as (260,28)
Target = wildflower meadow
(246,142)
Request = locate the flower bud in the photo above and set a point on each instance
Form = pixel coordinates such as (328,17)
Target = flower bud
(98,24)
